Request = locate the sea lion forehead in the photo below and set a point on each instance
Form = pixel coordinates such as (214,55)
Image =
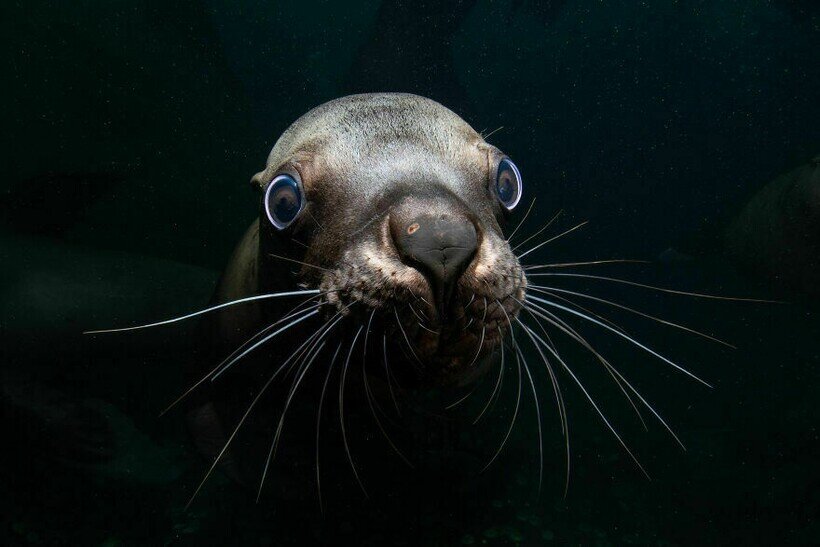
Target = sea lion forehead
(370,127)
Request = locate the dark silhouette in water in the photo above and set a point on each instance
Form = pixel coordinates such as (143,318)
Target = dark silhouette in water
(774,235)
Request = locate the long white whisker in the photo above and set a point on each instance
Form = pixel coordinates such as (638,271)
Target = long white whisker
(318,426)
(540,434)
(556,321)
(588,397)
(371,398)
(543,289)
(207,310)
(217,367)
(540,230)
(293,389)
(267,338)
(406,339)
(538,312)
(388,375)
(550,240)
(586,263)
(652,287)
(341,411)
(235,431)
(293,313)
(529,209)
(559,402)
(512,421)
(619,333)
(497,383)
(578,306)
(286,259)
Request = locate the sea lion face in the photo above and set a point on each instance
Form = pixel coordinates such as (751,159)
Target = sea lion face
(398,223)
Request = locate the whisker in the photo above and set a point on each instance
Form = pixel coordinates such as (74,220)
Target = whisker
(521,223)
(217,367)
(406,339)
(388,375)
(540,434)
(588,397)
(586,263)
(559,402)
(512,421)
(287,259)
(341,411)
(555,321)
(365,376)
(318,426)
(275,444)
(235,431)
(371,399)
(536,234)
(497,383)
(266,330)
(542,289)
(538,312)
(420,319)
(491,133)
(207,310)
(480,347)
(267,338)
(550,240)
(621,334)
(461,399)
(654,288)
(537,288)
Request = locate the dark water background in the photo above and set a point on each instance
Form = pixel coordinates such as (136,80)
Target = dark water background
(131,130)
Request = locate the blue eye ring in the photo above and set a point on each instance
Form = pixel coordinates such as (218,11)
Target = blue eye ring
(284,200)
(508,184)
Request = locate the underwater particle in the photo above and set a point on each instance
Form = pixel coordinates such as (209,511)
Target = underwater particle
(547,535)
(467,540)
(515,535)
(498,503)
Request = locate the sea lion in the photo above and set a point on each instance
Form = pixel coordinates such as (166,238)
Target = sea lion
(382,214)
(379,250)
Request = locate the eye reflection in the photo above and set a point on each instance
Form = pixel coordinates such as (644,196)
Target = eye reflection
(284,201)
(508,185)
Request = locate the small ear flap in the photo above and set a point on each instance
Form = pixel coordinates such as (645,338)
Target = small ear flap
(258,182)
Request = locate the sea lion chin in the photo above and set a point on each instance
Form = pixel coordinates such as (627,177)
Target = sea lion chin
(391,205)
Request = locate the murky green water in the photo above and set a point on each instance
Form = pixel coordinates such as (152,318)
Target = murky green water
(131,130)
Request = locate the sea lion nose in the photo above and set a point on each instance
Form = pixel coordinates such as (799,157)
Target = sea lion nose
(440,246)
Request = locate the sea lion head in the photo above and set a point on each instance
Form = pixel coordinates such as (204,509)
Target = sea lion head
(394,206)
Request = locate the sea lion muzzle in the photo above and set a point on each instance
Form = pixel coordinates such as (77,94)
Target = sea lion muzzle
(440,246)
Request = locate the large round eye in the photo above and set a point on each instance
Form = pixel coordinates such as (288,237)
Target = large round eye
(508,186)
(284,200)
